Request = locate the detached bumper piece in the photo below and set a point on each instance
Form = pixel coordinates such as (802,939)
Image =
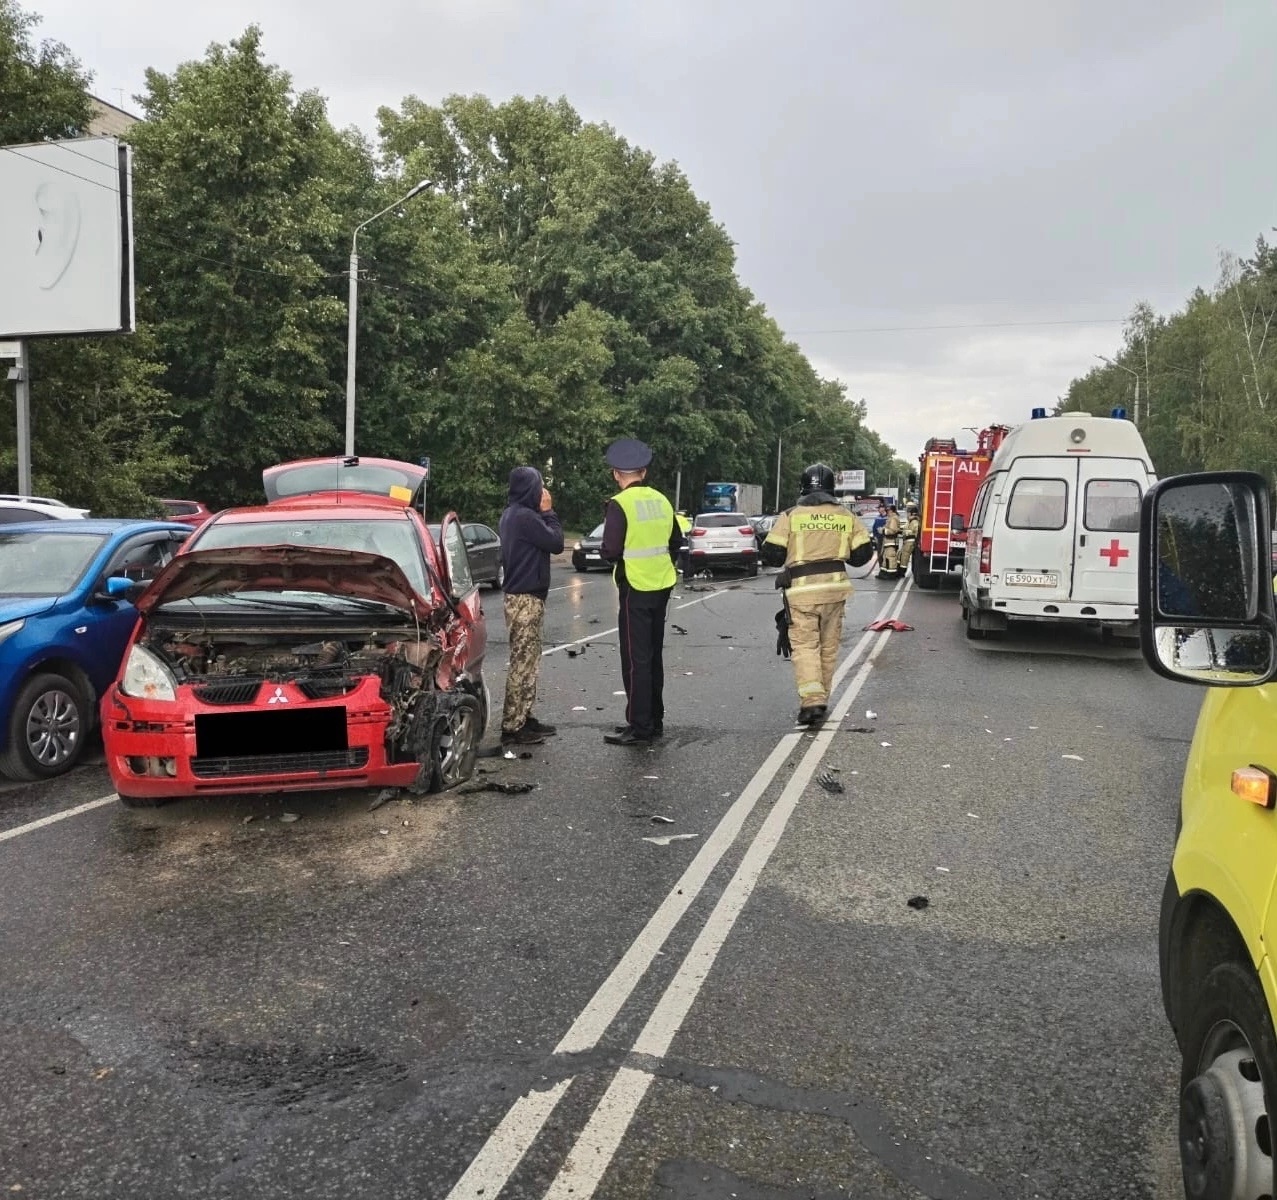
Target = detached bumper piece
(894,625)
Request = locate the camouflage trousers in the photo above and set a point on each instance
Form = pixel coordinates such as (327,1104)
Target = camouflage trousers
(523,617)
(815,632)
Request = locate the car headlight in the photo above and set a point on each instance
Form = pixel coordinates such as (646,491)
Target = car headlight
(146,676)
(577,546)
(10,628)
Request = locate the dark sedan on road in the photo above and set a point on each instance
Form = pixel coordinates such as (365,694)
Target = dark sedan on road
(588,552)
(483,549)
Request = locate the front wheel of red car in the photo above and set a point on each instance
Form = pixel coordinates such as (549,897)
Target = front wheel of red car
(455,745)
(47,729)
(1229,1075)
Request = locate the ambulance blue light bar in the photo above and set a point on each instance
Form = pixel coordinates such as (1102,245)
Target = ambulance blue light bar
(1039,413)
(1119,414)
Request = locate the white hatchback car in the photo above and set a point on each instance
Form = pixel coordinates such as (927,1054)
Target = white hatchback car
(16,509)
(721,539)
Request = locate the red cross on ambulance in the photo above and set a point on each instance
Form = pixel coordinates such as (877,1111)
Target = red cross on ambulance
(1114,552)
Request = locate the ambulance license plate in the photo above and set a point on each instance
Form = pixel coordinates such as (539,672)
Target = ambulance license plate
(1025,579)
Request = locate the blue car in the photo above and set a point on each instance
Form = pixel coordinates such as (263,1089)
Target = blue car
(66,614)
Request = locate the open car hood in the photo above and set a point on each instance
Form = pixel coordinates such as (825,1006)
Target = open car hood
(279,568)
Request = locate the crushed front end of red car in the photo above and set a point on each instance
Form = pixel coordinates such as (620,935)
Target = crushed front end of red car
(283,668)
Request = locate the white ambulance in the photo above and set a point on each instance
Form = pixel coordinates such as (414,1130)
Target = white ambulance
(1054,530)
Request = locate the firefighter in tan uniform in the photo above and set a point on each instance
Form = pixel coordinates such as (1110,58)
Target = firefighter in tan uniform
(913,527)
(889,560)
(814,541)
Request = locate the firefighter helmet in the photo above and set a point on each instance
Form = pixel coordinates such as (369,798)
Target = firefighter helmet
(816,478)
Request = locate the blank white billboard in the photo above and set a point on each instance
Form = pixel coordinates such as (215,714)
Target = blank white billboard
(66,238)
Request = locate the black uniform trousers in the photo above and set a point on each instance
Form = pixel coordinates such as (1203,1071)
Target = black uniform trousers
(641,629)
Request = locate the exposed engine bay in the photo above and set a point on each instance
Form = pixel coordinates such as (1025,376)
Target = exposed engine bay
(229,666)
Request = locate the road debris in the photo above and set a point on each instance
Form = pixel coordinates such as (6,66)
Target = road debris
(671,837)
(651,777)
(290,817)
(578,708)
(918,902)
(1073,757)
(829,783)
(885,745)
(248,818)
(974,816)
(945,766)
(661,819)
(945,870)
(492,785)
(889,623)
(382,797)
(870,715)
(575,653)
(677,628)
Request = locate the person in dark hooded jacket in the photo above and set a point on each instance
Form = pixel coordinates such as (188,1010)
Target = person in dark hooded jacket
(530,532)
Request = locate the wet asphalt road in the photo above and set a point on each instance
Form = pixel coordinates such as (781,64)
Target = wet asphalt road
(482,994)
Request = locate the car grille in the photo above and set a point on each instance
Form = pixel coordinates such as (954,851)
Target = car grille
(322,687)
(281,764)
(228,691)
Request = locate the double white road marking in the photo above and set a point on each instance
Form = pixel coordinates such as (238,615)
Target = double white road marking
(594,1150)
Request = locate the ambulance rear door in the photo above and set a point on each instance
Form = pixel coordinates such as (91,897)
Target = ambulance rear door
(1107,530)
(1032,549)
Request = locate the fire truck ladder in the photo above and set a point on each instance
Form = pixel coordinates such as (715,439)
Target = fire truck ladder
(941,512)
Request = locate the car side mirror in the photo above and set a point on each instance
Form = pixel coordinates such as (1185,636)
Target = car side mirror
(119,587)
(957,523)
(1206,605)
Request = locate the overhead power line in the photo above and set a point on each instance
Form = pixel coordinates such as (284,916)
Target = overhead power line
(972,325)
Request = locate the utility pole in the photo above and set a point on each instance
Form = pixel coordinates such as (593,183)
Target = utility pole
(1135,374)
(20,376)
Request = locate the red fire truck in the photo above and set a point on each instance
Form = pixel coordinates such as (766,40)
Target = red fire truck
(948,479)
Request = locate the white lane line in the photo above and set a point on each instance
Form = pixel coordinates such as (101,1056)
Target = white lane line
(500,1155)
(594,1150)
(602,633)
(32,826)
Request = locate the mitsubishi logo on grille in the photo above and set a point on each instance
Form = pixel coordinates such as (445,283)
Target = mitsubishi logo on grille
(278,697)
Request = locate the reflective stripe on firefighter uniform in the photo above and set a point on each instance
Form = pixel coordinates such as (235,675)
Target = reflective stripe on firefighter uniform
(817,534)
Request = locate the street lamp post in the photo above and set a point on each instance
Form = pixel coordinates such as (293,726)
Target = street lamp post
(779,437)
(1128,370)
(353,311)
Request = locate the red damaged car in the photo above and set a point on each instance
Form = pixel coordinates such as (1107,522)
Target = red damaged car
(324,640)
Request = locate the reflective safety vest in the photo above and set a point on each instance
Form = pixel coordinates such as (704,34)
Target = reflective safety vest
(649,520)
(820,536)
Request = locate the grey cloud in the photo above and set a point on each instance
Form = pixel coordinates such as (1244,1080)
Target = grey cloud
(890,162)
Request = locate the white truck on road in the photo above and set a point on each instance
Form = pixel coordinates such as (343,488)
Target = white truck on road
(744,498)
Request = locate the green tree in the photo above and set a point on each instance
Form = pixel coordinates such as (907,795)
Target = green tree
(43,89)
(242,195)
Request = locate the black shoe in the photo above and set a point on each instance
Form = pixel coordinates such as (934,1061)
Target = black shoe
(522,736)
(657,732)
(628,738)
(811,715)
(540,727)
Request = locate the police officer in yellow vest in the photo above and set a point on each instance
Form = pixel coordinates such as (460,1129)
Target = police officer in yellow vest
(641,537)
(814,541)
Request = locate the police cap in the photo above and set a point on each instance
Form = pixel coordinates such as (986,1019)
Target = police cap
(628,454)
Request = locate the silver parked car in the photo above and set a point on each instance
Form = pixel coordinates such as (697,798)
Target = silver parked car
(717,540)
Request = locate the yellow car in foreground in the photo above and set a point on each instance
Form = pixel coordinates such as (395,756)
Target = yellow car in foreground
(1207,616)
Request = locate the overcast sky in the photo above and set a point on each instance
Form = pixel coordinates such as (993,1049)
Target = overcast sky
(880,164)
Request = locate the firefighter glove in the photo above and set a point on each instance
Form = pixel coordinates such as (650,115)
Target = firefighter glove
(782,636)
